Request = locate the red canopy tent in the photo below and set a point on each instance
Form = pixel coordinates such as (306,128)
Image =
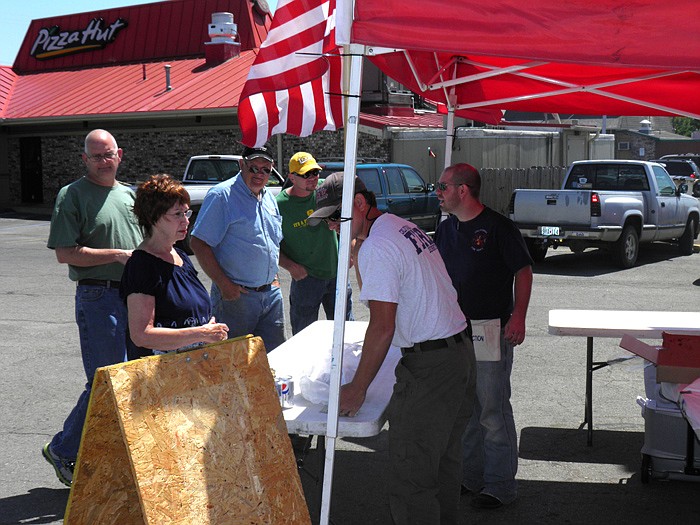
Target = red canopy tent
(603,58)
(606,57)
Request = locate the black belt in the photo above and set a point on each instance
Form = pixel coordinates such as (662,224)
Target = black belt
(263,288)
(435,344)
(98,282)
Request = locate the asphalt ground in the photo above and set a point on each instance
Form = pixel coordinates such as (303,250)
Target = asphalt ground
(562,480)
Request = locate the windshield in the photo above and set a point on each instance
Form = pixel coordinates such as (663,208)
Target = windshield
(625,177)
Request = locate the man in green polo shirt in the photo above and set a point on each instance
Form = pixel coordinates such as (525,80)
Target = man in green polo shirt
(93,231)
(308,253)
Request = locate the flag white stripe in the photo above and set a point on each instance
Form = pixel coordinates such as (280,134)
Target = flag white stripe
(257,102)
(282,102)
(283,64)
(330,121)
(291,29)
(309,114)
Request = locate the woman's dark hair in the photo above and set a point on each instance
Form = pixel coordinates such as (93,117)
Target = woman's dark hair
(155,197)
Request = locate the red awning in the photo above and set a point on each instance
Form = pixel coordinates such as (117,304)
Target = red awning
(603,57)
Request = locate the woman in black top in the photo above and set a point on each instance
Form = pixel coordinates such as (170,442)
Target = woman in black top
(168,306)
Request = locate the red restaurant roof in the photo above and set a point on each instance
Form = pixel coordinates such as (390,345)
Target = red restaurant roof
(7,79)
(112,62)
(123,90)
(122,73)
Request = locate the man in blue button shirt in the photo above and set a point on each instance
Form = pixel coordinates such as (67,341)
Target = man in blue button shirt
(237,242)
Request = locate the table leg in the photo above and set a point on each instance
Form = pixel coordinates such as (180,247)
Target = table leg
(588,416)
(321,451)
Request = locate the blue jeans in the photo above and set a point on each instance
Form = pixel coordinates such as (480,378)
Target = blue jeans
(102,320)
(490,443)
(257,313)
(307,295)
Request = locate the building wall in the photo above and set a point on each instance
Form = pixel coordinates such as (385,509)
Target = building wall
(162,151)
(654,147)
(641,147)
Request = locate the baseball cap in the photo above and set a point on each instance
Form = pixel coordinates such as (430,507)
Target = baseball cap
(262,152)
(329,197)
(301,162)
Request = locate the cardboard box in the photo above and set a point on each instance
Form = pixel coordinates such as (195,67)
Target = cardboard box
(677,360)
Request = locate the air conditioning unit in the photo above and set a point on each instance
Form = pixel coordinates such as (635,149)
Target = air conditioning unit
(623,146)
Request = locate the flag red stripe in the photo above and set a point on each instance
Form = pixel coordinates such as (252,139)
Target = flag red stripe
(287,12)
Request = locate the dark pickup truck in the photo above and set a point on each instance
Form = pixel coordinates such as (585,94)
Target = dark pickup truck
(399,190)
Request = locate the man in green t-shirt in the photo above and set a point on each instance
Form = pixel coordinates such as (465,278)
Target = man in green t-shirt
(93,231)
(308,253)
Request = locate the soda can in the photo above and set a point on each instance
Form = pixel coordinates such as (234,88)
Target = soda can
(285,390)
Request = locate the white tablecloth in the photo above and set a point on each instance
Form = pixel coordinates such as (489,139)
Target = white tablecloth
(311,345)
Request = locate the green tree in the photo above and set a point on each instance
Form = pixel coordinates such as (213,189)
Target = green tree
(685,125)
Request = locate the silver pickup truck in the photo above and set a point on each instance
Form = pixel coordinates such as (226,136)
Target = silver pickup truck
(615,204)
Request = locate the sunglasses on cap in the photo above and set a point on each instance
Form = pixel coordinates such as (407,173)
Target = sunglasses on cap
(309,174)
(335,217)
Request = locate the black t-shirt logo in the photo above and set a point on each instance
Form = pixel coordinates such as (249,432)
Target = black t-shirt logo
(479,240)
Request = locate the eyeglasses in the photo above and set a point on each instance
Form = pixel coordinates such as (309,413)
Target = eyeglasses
(335,217)
(179,215)
(106,157)
(442,186)
(309,174)
(255,170)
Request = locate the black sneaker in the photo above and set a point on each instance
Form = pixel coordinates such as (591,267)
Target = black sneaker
(486,501)
(63,468)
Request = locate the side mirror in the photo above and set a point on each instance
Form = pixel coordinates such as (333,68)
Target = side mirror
(682,188)
(430,187)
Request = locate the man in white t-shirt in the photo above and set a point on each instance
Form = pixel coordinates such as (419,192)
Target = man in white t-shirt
(412,305)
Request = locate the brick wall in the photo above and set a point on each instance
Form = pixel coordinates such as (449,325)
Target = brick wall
(158,151)
(636,141)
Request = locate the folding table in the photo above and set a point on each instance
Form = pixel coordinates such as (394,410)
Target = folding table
(312,345)
(615,323)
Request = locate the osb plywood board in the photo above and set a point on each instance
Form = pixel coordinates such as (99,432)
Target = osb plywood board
(103,488)
(206,440)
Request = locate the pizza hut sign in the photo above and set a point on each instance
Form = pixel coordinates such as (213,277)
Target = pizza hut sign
(52,42)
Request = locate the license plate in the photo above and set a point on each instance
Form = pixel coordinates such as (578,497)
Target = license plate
(550,230)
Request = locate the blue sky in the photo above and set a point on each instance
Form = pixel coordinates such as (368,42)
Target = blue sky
(17,14)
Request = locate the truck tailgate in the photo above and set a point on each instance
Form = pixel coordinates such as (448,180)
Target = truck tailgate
(552,207)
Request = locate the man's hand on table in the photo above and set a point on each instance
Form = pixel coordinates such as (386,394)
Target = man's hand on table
(351,399)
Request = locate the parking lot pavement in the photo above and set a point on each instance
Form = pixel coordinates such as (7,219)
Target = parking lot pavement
(562,480)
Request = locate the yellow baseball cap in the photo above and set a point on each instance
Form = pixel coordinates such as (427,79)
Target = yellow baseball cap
(301,162)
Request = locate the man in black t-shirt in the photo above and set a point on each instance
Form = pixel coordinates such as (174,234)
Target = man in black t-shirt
(491,269)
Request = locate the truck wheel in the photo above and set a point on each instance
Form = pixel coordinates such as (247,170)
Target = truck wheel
(538,250)
(686,241)
(626,248)
(647,469)
(577,247)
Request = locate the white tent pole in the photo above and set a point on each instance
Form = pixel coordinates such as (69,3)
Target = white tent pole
(352,121)
(450,127)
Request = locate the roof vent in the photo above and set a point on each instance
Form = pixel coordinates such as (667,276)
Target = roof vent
(645,126)
(168,85)
(223,33)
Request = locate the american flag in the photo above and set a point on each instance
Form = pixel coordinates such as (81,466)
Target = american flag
(289,85)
